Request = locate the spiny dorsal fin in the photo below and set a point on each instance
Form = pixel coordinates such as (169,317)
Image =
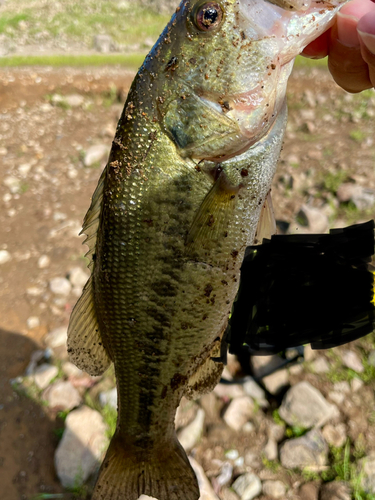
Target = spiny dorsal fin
(267,222)
(85,345)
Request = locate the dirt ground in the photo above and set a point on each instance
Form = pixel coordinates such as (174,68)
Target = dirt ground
(43,215)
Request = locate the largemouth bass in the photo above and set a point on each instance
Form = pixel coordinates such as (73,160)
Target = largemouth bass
(190,169)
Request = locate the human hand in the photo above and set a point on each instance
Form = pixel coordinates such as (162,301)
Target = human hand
(350,46)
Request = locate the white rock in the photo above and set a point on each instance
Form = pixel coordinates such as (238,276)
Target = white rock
(305,406)
(253,390)
(13,184)
(109,397)
(357,384)
(239,411)
(78,277)
(337,397)
(335,435)
(229,391)
(247,486)
(60,286)
(43,261)
(232,454)
(95,154)
(35,291)
(310,450)
(342,386)
(274,489)
(44,374)
(270,450)
(81,448)
(320,365)
(24,169)
(74,100)
(225,475)
(190,435)
(351,360)
(103,43)
(63,395)
(4,256)
(57,337)
(72,370)
(32,322)
(206,490)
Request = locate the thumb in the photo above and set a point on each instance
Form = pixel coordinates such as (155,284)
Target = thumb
(366,35)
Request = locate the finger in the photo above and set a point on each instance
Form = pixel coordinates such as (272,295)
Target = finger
(318,48)
(366,32)
(345,61)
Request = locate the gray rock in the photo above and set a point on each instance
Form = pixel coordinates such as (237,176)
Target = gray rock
(103,43)
(205,488)
(351,360)
(337,490)
(274,489)
(310,450)
(63,395)
(313,218)
(366,470)
(335,435)
(95,154)
(308,491)
(253,390)
(305,406)
(4,256)
(247,486)
(270,450)
(60,286)
(190,435)
(78,277)
(239,411)
(44,374)
(109,398)
(57,337)
(81,448)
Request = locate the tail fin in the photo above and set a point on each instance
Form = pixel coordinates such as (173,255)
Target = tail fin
(164,473)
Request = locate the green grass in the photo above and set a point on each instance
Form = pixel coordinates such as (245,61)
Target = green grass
(133,61)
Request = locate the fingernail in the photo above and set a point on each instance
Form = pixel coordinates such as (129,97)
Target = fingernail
(368,40)
(348,37)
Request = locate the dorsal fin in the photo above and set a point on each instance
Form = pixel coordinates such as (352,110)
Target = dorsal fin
(267,222)
(85,345)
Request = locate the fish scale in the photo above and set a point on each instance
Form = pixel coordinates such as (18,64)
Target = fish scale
(188,176)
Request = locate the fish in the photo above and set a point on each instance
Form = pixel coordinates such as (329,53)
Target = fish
(188,175)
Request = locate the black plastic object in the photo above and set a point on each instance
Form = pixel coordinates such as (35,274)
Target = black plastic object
(305,289)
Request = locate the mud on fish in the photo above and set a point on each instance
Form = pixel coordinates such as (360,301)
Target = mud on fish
(181,197)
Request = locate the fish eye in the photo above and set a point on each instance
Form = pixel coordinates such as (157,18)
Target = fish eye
(208,16)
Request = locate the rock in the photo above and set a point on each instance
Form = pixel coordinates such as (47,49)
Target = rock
(81,448)
(337,490)
(95,154)
(109,398)
(239,411)
(253,460)
(103,43)
(57,337)
(229,391)
(337,397)
(225,475)
(366,470)
(310,450)
(362,197)
(205,488)
(210,404)
(4,256)
(44,374)
(275,382)
(35,358)
(24,169)
(335,435)
(186,413)
(72,370)
(232,454)
(13,184)
(342,386)
(309,491)
(305,406)
(228,494)
(247,486)
(190,435)
(313,218)
(60,286)
(371,358)
(74,100)
(253,390)
(63,395)
(262,365)
(270,450)
(276,431)
(351,360)
(32,322)
(43,261)
(356,384)
(274,489)
(320,365)
(78,277)
(309,354)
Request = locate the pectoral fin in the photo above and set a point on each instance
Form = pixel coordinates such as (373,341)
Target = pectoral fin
(267,222)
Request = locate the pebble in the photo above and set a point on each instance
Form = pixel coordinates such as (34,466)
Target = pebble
(74,100)
(247,486)
(35,291)
(362,197)
(357,384)
(13,184)
(262,365)
(336,490)
(95,154)
(313,218)
(232,454)
(109,398)
(305,406)
(335,435)
(43,261)
(63,395)
(253,460)
(276,431)
(57,337)
(78,277)
(60,286)
(103,43)
(239,411)
(81,448)
(4,256)
(32,322)
(229,391)
(274,489)
(44,374)
(320,365)
(205,488)
(351,360)
(72,370)
(306,451)
(225,475)
(366,470)
(228,494)
(185,413)
(253,390)
(270,450)
(191,434)
(277,381)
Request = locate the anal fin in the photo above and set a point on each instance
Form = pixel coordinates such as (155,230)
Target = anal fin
(267,222)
